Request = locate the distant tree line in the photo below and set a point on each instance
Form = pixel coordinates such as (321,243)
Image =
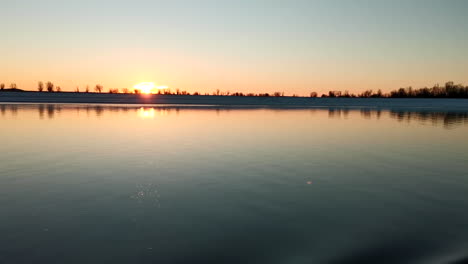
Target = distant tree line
(449,90)
(50,87)
(347,94)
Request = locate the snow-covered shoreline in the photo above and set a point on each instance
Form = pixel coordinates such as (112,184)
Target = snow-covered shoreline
(237,102)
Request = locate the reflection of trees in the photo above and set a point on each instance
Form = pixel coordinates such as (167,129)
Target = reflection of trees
(50,111)
(371,113)
(366,113)
(14,109)
(338,112)
(41,111)
(448,119)
(332,113)
(98,109)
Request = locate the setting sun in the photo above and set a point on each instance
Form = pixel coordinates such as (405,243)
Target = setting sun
(148,87)
(145,87)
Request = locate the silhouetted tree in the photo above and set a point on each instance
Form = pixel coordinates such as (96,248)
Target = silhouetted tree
(40,86)
(409,91)
(379,93)
(77,90)
(313,94)
(401,92)
(2,86)
(334,93)
(98,88)
(50,87)
(58,89)
(366,94)
(13,86)
(87,89)
(125,90)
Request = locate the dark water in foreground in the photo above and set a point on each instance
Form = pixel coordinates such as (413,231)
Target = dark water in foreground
(130,184)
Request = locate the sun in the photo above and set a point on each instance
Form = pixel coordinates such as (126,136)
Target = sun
(149,87)
(145,87)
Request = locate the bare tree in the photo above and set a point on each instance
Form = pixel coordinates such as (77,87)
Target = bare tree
(98,88)
(77,90)
(13,86)
(58,89)
(50,87)
(379,93)
(40,86)
(125,90)
(366,94)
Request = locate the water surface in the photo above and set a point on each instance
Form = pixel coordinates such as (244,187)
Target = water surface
(159,184)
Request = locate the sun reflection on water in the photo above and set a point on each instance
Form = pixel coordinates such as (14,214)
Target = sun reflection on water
(146,112)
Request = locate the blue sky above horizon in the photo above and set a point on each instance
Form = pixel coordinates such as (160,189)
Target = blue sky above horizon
(259,46)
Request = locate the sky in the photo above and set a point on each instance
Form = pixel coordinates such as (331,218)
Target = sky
(294,46)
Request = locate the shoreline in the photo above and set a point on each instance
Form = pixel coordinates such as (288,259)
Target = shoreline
(442,104)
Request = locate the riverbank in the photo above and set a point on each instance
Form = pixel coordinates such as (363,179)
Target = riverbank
(236,101)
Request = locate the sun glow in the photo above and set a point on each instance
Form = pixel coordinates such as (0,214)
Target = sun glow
(145,87)
(149,87)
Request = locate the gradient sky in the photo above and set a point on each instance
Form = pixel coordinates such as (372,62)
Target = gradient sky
(243,45)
